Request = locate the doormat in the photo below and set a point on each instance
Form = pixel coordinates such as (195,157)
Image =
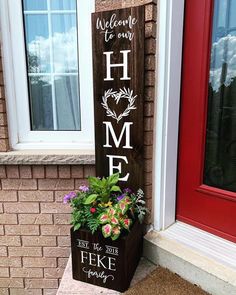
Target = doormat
(163,282)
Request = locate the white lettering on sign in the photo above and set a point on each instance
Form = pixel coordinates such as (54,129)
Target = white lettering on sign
(82,244)
(124,65)
(98,260)
(112,250)
(112,166)
(125,129)
(97,275)
(108,26)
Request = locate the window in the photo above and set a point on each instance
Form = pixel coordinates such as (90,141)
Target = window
(48,59)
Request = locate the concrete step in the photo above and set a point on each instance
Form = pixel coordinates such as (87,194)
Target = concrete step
(199,257)
(69,286)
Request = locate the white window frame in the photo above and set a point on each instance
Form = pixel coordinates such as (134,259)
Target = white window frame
(169,66)
(16,84)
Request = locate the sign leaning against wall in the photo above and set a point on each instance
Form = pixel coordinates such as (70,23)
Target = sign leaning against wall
(118,67)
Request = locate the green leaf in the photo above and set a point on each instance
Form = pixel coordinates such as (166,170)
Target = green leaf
(90,199)
(114,178)
(115,188)
(77,226)
(94,182)
(115,237)
(103,218)
(106,230)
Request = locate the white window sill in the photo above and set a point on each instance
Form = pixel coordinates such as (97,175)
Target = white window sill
(48,157)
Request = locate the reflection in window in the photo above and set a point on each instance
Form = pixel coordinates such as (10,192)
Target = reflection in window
(52,62)
(220,157)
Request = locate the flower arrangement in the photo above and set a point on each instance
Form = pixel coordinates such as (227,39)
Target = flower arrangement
(103,205)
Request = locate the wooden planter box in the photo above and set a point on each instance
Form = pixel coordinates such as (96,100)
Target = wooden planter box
(103,262)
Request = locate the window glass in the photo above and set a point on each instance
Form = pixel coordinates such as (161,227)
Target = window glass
(52,59)
(220,158)
(35,4)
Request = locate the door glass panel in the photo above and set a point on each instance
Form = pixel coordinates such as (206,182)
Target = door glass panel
(52,64)
(220,157)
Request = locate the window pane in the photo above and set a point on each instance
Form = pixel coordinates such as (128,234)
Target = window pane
(35,4)
(41,103)
(64,43)
(52,55)
(220,158)
(67,103)
(63,4)
(37,41)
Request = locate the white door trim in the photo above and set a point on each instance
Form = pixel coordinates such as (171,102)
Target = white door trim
(169,53)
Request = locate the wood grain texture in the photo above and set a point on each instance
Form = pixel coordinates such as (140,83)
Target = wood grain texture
(136,73)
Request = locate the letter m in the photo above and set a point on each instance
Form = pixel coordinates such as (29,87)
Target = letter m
(117,141)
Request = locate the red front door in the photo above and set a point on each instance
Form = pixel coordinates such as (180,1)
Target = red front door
(206,192)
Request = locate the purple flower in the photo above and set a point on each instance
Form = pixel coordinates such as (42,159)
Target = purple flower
(84,188)
(119,198)
(128,190)
(68,197)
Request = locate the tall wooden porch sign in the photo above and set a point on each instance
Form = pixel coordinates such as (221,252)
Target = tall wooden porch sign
(118,67)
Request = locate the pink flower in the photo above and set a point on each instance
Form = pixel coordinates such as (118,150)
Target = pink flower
(84,188)
(92,210)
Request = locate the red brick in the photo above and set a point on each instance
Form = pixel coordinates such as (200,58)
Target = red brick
(149,78)
(2,171)
(25,172)
(36,196)
(56,184)
(38,241)
(26,291)
(64,171)
(12,171)
(62,262)
(89,170)
(41,283)
(25,251)
(149,93)
(55,208)
(3,251)
(150,29)
(2,106)
(21,207)
(11,283)
(77,171)
(4,145)
(26,272)
(4,273)
(19,184)
(39,262)
(148,152)
(35,219)
(148,165)
(1,230)
(8,219)
(79,182)
(3,119)
(148,109)
(150,12)
(27,230)
(38,172)
(148,178)
(148,191)
(53,273)
(10,241)
(55,230)
(10,262)
(8,196)
(148,137)
(56,252)
(51,171)
(62,218)
(3,132)
(60,195)
(148,124)
(150,46)
(49,291)
(63,241)
(2,92)
(150,64)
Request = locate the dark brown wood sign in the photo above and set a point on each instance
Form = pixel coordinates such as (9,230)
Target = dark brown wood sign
(118,60)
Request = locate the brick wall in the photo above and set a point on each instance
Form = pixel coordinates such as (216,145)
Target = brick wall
(34,224)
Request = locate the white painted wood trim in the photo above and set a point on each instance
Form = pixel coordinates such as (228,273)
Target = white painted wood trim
(169,52)
(21,137)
